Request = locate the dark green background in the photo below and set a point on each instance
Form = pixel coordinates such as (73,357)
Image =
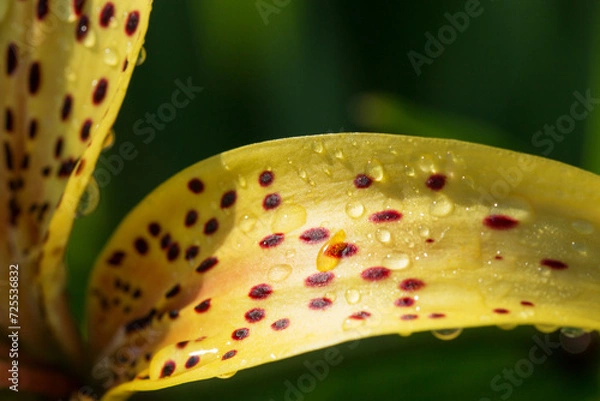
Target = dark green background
(332,66)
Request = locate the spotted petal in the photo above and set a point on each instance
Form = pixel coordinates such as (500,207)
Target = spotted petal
(64,68)
(279,248)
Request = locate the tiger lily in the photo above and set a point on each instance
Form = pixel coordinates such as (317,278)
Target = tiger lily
(269,250)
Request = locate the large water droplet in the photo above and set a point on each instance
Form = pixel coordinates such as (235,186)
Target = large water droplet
(288,217)
(516,207)
(441,207)
(579,247)
(355,209)
(227,375)
(317,146)
(351,324)
(110,56)
(583,227)
(141,56)
(324,261)
(247,223)
(374,170)
(90,38)
(396,261)
(426,164)
(89,199)
(279,272)
(424,231)
(545,328)
(384,236)
(352,296)
(447,334)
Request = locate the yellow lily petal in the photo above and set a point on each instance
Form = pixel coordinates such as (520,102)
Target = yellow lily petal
(65,66)
(279,248)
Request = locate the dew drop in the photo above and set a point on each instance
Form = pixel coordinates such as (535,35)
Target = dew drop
(325,262)
(339,154)
(572,332)
(424,231)
(352,296)
(247,223)
(583,227)
(545,328)
(355,209)
(396,261)
(141,56)
(279,272)
(426,164)
(516,207)
(409,171)
(110,56)
(384,236)
(290,253)
(89,199)
(109,140)
(302,174)
(351,324)
(227,375)
(70,74)
(90,39)
(242,181)
(441,207)
(579,247)
(317,147)
(447,334)
(374,170)
(288,218)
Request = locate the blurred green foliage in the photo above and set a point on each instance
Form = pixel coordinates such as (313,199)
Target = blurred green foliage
(341,65)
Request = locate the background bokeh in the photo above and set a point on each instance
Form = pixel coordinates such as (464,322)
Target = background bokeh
(301,67)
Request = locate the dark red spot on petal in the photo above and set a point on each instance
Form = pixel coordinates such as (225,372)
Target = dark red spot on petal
(207,264)
(11,59)
(100,91)
(125,64)
(362,181)
(65,110)
(436,315)
(85,130)
(165,241)
(260,291)
(404,302)
(195,185)
(108,11)
(362,315)
(280,324)
(173,291)
(8,156)
(191,252)
(58,147)
(35,78)
(240,334)
(141,245)
(319,279)
(211,226)
(409,317)
(430,240)
(527,303)
(498,257)
(182,344)
(190,218)
(272,240)
(202,306)
(192,361)
(33,128)
(167,369)
(133,19)
(501,311)
(173,251)
(229,354)
(271,201)
(341,250)
(266,178)
(500,222)
(411,284)
(82,28)
(375,273)
(78,6)
(320,303)
(116,258)
(228,199)
(385,216)
(435,182)
(42,9)
(315,235)
(554,264)
(255,315)
(8,120)
(154,229)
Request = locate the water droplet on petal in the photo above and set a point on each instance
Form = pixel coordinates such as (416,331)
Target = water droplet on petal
(302,174)
(579,247)
(242,181)
(317,146)
(396,261)
(423,231)
(352,296)
(374,170)
(326,262)
(516,207)
(89,199)
(583,227)
(288,217)
(339,154)
(90,38)
(141,56)
(227,375)
(441,207)
(351,324)
(384,236)
(545,328)
(409,171)
(279,272)
(447,334)
(355,209)
(572,332)
(110,56)
(247,223)
(109,140)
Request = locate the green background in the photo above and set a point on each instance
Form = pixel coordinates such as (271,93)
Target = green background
(334,66)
